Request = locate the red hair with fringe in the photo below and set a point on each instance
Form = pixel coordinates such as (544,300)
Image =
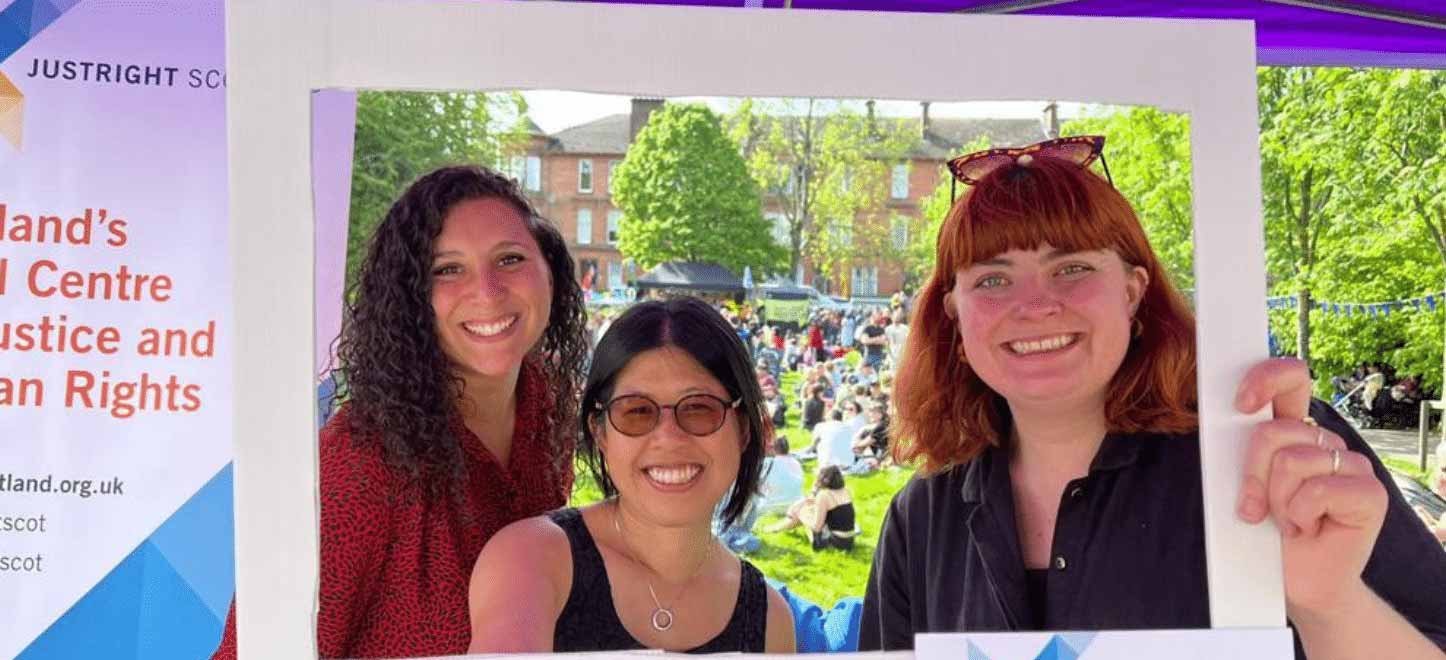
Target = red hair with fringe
(945,414)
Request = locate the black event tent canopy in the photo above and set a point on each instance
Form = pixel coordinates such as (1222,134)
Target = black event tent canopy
(691,276)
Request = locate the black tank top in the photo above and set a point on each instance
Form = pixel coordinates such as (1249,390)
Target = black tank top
(589,621)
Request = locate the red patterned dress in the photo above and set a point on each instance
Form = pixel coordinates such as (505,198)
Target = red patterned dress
(395,565)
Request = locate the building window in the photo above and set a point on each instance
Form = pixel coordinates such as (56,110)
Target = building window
(615,218)
(584,226)
(844,233)
(615,275)
(516,169)
(899,231)
(533,181)
(612,174)
(526,171)
(584,175)
(900,189)
(865,281)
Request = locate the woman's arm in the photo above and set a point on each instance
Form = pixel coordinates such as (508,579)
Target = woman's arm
(1346,532)
(823,501)
(778,635)
(357,495)
(519,587)
(887,623)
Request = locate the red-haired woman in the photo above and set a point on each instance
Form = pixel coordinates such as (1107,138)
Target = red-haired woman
(1049,398)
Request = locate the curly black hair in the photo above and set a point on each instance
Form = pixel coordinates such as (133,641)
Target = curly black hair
(401,388)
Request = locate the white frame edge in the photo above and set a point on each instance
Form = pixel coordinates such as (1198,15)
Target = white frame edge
(278,51)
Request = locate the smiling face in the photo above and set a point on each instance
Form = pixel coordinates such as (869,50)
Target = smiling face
(668,475)
(491,290)
(1046,328)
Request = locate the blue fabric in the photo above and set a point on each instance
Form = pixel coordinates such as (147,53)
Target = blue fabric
(325,399)
(816,631)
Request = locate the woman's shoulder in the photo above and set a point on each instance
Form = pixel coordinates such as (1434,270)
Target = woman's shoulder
(536,534)
(347,454)
(538,544)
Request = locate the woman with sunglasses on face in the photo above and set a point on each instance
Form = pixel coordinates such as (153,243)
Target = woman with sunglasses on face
(461,346)
(1049,396)
(674,423)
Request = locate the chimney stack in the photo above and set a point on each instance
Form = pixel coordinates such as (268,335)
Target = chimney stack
(1051,120)
(924,124)
(642,109)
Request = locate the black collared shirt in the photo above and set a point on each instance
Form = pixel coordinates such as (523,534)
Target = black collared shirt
(1128,549)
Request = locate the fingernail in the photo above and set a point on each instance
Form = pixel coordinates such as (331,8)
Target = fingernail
(1251,509)
(1245,401)
(1252,500)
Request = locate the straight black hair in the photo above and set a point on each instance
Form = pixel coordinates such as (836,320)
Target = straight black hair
(694,327)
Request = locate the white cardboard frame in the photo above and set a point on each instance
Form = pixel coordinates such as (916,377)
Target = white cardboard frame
(279,51)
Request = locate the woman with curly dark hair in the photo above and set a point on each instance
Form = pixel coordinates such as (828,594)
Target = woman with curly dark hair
(461,350)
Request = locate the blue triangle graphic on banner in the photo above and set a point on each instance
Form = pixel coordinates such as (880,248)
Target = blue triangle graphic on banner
(1079,641)
(147,608)
(1056,649)
(210,571)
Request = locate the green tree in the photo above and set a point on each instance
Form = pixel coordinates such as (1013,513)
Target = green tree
(686,194)
(1301,175)
(1395,148)
(1375,137)
(826,169)
(1148,151)
(919,254)
(402,135)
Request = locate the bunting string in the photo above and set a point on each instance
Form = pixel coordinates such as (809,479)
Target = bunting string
(1372,309)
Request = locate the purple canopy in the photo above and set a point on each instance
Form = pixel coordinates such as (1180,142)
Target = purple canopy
(1384,33)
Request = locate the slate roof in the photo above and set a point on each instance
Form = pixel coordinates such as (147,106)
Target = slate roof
(609,135)
(690,275)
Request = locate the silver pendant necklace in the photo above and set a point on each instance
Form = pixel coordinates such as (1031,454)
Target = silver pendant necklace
(662,618)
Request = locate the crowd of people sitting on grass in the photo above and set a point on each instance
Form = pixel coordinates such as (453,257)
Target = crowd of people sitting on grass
(842,401)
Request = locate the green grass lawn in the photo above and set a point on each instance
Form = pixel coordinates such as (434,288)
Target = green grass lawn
(820,576)
(1406,467)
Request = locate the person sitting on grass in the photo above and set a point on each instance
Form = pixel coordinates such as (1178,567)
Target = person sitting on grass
(833,440)
(813,408)
(872,441)
(828,515)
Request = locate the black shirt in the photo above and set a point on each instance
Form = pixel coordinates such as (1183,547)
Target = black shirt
(1128,549)
(589,621)
(871,331)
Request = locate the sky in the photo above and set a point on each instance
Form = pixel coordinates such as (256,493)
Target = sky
(555,110)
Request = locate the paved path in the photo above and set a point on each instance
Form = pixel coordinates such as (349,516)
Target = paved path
(1404,445)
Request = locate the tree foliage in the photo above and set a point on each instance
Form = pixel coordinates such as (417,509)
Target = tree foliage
(686,194)
(1148,153)
(1385,142)
(402,135)
(827,170)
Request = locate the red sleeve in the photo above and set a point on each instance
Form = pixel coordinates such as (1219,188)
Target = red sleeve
(356,490)
(354,530)
(227,649)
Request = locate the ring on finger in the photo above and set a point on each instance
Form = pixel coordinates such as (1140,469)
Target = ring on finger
(1310,421)
(1335,461)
